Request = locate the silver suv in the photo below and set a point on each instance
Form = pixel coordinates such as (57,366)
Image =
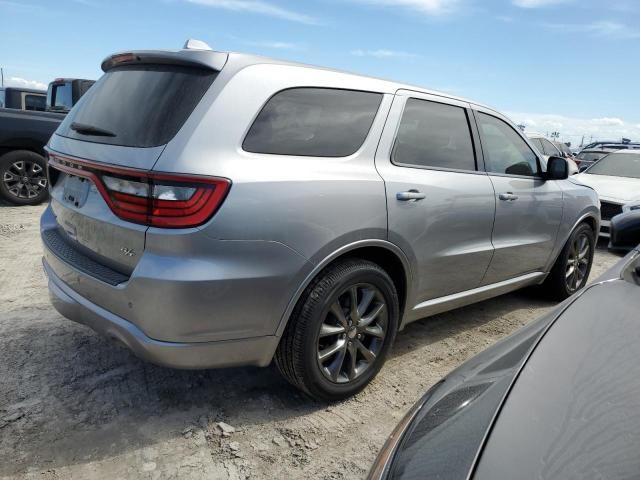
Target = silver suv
(217,209)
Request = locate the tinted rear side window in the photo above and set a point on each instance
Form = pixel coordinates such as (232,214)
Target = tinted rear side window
(434,135)
(314,122)
(141,106)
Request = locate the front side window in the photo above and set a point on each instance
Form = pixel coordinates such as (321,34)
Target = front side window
(504,150)
(313,122)
(434,135)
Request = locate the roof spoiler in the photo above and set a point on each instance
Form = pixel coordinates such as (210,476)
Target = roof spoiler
(196,54)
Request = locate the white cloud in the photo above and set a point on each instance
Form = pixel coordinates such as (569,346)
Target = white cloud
(384,53)
(429,7)
(613,29)
(258,7)
(276,45)
(604,28)
(608,122)
(537,3)
(572,129)
(24,83)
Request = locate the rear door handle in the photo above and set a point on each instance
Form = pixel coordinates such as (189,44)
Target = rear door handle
(509,197)
(411,195)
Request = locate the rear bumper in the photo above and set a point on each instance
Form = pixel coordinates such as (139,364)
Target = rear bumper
(186,287)
(228,353)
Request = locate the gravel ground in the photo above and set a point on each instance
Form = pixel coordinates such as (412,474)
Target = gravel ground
(75,405)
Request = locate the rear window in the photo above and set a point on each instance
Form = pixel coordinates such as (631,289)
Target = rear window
(138,106)
(315,122)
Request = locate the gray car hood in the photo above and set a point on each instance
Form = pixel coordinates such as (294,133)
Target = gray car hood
(454,420)
(574,410)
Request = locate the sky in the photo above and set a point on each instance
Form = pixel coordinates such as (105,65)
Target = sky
(554,65)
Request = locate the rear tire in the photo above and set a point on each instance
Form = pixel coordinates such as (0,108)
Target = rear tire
(330,349)
(571,271)
(23,177)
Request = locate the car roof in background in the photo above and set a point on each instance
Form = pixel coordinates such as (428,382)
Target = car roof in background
(26,90)
(601,150)
(621,146)
(630,151)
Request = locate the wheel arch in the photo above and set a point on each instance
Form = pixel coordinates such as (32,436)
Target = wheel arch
(27,145)
(386,254)
(592,218)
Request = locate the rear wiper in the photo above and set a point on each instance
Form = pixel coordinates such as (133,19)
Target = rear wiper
(84,129)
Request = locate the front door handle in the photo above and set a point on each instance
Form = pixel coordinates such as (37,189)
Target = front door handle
(509,197)
(411,195)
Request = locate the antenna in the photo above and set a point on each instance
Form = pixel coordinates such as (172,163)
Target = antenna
(193,44)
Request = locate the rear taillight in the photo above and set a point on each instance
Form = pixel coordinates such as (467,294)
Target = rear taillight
(153,199)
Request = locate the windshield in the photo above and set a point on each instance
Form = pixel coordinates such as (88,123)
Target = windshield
(138,105)
(617,165)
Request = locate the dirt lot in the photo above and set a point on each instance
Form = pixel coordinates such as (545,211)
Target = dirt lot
(75,405)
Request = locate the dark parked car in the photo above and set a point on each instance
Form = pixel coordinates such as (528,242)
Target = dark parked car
(625,231)
(23,99)
(23,135)
(558,399)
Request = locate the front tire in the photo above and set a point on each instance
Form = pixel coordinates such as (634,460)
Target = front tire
(23,178)
(571,271)
(341,331)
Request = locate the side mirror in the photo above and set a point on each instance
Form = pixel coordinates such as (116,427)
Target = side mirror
(625,231)
(557,168)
